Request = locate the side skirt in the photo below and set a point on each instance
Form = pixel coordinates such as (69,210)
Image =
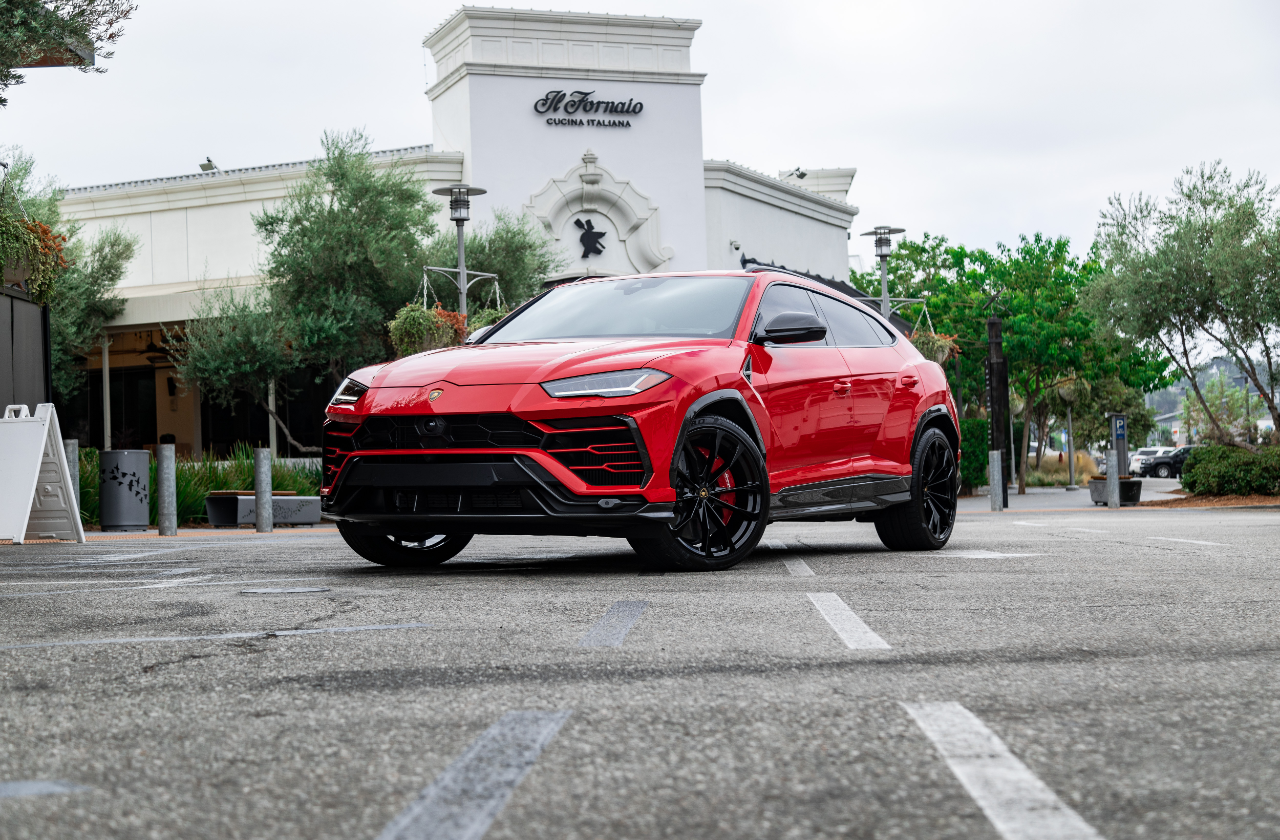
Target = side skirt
(839,500)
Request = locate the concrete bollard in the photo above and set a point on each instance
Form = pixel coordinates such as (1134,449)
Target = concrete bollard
(262,489)
(1113,478)
(995,480)
(72,447)
(167,479)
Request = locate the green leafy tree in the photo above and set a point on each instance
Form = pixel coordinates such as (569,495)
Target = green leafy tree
(69,32)
(1048,337)
(81,296)
(346,250)
(236,345)
(951,311)
(84,302)
(1196,275)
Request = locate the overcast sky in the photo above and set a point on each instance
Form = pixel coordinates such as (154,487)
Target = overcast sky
(977,120)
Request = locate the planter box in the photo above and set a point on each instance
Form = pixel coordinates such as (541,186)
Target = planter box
(1130,491)
(240,508)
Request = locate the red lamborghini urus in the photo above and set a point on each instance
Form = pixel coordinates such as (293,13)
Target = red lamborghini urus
(682,412)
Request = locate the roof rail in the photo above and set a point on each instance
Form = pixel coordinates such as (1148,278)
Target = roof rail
(758,268)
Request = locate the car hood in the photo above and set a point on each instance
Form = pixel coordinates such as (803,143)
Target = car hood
(529,362)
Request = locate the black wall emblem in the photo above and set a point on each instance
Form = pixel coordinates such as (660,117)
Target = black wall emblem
(590,238)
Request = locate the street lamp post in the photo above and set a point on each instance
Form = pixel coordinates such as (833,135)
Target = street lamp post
(883,247)
(460,213)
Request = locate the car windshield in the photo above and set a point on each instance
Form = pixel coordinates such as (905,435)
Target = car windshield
(692,307)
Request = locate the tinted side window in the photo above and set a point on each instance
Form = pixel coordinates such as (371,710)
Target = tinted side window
(780,298)
(849,327)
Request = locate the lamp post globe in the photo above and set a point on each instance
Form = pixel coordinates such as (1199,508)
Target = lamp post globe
(460,214)
(883,247)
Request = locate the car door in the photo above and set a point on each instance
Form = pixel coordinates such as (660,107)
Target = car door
(805,389)
(875,368)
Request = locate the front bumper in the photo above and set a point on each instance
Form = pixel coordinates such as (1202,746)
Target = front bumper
(443,493)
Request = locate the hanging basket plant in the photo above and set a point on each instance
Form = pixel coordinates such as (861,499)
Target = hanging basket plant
(935,347)
(416,329)
(31,255)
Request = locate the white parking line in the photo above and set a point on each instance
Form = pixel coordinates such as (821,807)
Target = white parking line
(1196,542)
(253,634)
(10,790)
(613,626)
(776,545)
(798,568)
(295,590)
(465,799)
(1019,805)
(1032,524)
(852,630)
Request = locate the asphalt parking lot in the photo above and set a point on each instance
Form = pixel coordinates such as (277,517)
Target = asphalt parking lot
(1050,674)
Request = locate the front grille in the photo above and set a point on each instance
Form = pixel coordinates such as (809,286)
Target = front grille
(602,451)
(447,431)
(460,500)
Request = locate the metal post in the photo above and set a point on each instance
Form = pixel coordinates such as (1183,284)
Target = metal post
(262,489)
(72,447)
(106,393)
(271,421)
(998,400)
(995,474)
(462,273)
(167,478)
(884,286)
(1113,478)
(1071,451)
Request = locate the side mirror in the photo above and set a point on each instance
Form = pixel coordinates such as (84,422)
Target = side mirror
(792,328)
(477,335)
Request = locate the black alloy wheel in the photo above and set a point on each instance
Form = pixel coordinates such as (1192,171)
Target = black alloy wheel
(406,551)
(926,521)
(722,500)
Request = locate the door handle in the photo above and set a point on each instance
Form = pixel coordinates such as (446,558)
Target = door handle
(909,381)
(843,387)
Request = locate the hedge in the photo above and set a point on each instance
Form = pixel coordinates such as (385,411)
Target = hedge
(1231,471)
(973,452)
(196,478)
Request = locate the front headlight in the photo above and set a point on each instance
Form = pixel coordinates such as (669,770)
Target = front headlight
(348,392)
(618,383)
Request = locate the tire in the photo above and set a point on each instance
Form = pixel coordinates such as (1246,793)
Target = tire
(405,551)
(722,507)
(1163,471)
(924,523)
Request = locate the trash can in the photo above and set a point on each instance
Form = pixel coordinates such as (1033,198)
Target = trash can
(124,489)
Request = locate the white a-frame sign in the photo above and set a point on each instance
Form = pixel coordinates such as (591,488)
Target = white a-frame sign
(37,501)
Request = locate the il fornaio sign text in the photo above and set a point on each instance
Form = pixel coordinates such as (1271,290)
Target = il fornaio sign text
(574,105)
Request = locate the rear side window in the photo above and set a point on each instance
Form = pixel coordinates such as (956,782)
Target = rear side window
(780,298)
(850,327)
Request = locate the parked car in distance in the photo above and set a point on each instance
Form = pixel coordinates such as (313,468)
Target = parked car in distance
(1168,465)
(1147,452)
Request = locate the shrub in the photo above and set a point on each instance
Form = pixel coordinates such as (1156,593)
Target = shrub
(973,453)
(1231,471)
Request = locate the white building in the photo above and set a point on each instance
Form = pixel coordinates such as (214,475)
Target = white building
(591,123)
